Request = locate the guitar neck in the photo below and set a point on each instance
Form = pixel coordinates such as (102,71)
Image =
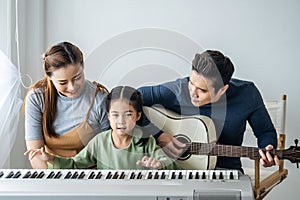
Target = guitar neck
(226,150)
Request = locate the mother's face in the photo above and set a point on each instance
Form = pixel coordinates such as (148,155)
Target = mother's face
(69,80)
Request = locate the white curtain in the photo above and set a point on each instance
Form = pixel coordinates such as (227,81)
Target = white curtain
(10,106)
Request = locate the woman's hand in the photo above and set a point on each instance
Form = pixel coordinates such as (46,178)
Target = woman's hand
(149,162)
(40,154)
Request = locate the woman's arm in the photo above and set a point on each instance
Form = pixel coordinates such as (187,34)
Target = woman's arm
(36,163)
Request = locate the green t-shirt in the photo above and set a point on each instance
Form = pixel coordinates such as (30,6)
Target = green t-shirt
(102,152)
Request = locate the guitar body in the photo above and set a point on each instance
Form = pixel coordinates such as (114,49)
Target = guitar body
(186,129)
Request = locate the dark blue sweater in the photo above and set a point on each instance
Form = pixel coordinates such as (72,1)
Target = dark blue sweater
(230,113)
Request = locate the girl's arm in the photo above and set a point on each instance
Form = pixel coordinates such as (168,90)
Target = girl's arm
(86,158)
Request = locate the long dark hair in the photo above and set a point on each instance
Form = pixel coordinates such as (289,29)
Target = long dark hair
(134,98)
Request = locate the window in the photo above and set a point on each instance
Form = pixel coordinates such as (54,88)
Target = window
(10,105)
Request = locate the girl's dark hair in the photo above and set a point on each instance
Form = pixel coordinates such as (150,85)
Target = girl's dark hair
(134,98)
(56,57)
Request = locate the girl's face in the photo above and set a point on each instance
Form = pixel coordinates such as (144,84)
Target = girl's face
(69,80)
(122,117)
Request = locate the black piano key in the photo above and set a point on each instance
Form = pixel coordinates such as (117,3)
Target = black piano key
(156,176)
(108,176)
(197,175)
(115,176)
(34,174)
(214,176)
(81,175)
(231,175)
(10,174)
(180,175)
(17,175)
(203,175)
(92,175)
(122,176)
(163,175)
(221,176)
(1,174)
(190,175)
(75,175)
(41,174)
(27,175)
(132,176)
(173,175)
(50,175)
(139,176)
(149,175)
(99,175)
(69,174)
(58,175)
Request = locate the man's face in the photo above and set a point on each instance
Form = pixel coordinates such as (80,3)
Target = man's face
(202,91)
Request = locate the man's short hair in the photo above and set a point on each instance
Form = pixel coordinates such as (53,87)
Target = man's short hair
(214,66)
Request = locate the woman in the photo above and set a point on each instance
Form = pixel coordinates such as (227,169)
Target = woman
(125,146)
(63,111)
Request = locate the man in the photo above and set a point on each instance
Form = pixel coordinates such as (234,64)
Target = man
(210,90)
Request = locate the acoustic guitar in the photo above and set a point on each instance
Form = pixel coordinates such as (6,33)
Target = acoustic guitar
(199,135)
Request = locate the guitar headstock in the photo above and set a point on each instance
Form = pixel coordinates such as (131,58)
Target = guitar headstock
(292,153)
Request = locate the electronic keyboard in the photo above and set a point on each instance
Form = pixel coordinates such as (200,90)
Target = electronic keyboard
(124,184)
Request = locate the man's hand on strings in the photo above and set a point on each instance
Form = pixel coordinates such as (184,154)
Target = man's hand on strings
(170,145)
(267,160)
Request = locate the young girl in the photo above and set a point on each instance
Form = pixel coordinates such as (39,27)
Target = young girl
(125,146)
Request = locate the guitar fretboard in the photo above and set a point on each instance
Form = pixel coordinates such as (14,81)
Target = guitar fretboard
(223,150)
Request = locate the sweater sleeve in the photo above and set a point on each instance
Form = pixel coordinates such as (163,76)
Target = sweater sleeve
(33,115)
(261,122)
(155,95)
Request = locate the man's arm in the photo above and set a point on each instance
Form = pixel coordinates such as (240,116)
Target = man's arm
(162,96)
(153,95)
(264,130)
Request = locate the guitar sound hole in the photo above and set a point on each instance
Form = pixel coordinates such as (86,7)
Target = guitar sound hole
(183,139)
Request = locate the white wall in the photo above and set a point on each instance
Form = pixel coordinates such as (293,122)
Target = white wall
(261,37)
